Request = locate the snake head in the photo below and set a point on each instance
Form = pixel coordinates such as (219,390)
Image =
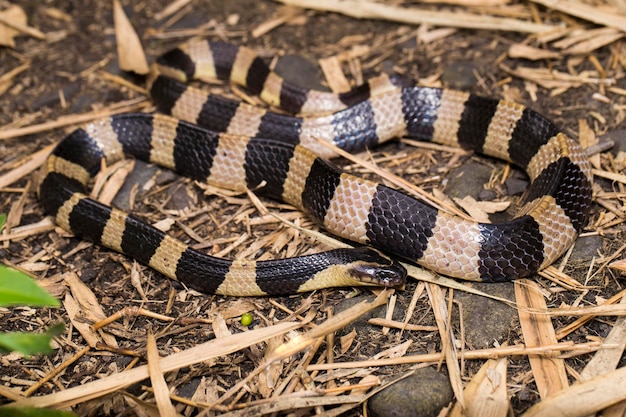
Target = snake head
(375,268)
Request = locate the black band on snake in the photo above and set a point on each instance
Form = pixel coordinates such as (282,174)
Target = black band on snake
(270,153)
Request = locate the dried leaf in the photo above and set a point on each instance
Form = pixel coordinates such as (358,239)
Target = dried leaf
(486,395)
(270,374)
(129,50)
(81,306)
(619,265)
(11,14)
(346,341)
(480,210)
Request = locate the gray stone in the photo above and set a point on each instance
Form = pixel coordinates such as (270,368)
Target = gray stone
(422,394)
(586,248)
(300,71)
(618,136)
(487,320)
(459,75)
(361,324)
(467,179)
(141,173)
(515,186)
(487,195)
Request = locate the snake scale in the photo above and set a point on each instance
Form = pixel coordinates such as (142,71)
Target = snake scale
(240,147)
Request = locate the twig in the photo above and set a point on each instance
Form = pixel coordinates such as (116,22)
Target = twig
(122,107)
(371,10)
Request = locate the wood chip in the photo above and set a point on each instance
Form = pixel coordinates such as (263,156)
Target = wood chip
(337,81)
(518,50)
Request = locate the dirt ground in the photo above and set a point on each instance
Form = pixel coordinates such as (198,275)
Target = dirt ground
(75,71)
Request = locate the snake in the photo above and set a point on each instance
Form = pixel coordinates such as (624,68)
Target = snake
(239,146)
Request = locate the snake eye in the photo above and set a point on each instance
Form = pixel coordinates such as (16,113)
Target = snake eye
(385,275)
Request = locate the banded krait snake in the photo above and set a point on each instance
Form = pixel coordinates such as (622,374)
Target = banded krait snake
(269,152)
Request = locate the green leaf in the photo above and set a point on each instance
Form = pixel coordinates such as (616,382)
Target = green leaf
(3,220)
(28,343)
(33,412)
(17,288)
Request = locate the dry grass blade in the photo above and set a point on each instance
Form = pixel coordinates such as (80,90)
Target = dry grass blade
(331,325)
(549,373)
(585,398)
(161,392)
(519,50)
(45,225)
(459,19)
(613,176)
(196,354)
(561,333)
(25,166)
(442,313)
(337,81)
(10,394)
(606,359)
(398,181)
(56,371)
(421,274)
(171,8)
(601,310)
(486,395)
(129,50)
(297,402)
(492,353)
(121,107)
(6,79)
(604,16)
(619,265)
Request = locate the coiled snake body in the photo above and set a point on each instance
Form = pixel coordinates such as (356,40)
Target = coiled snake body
(271,152)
